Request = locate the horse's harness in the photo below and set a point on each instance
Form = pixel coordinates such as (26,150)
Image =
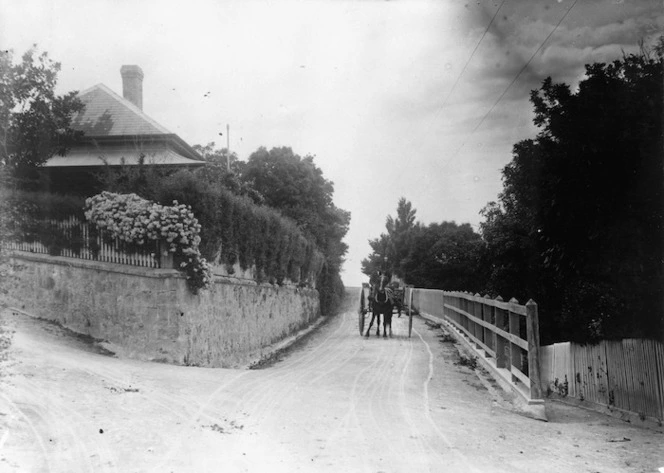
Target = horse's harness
(383,291)
(384,294)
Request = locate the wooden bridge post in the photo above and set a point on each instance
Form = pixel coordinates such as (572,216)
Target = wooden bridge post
(468,308)
(532,332)
(515,350)
(471,310)
(478,331)
(499,342)
(486,333)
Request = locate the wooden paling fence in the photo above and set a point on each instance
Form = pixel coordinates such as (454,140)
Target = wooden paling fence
(73,238)
(504,333)
(627,375)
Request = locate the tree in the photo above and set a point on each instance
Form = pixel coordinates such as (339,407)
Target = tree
(390,250)
(35,123)
(579,221)
(220,172)
(399,230)
(378,260)
(220,157)
(296,186)
(443,256)
(292,184)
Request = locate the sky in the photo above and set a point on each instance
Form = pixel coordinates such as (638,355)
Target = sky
(416,99)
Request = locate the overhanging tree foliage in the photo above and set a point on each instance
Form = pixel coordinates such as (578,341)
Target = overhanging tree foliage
(35,123)
(579,223)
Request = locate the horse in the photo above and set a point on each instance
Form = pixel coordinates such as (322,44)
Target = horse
(381,303)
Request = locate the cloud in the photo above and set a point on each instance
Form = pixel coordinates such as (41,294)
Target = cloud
(506,53)
(628,31)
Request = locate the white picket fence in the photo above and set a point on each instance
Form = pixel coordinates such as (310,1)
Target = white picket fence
(82,244)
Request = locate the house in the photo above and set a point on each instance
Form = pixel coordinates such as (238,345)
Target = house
(116,132)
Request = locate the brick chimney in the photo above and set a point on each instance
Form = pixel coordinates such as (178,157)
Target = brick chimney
(132,84)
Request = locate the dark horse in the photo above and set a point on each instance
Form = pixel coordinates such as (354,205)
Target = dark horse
(381,302)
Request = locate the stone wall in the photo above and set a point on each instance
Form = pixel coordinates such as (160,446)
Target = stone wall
(151,314)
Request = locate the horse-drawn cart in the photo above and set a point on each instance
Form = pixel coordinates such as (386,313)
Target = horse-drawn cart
(369,296)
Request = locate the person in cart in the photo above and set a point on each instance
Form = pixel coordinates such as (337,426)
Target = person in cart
(374,280)
(397,296)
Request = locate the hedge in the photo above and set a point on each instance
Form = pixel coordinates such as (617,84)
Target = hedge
(233,229)
(236,230)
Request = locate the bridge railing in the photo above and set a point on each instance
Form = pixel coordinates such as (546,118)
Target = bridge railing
(504,334)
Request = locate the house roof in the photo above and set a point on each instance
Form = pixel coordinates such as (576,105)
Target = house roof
(108,114)
(116,129)
(89,156)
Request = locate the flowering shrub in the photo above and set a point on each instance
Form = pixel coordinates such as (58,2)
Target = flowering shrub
(134,221)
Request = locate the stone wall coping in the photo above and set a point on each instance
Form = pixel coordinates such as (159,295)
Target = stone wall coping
(156,273)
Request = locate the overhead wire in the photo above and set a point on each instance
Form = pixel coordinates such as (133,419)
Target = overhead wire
(516,77)
(512,82)
(524,68)
(463,70)
(465,66)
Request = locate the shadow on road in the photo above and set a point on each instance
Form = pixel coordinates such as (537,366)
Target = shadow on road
(52,329)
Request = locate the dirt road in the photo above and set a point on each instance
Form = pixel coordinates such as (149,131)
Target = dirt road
(337,403)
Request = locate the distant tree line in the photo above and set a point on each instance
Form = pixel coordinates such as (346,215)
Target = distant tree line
(578,225)
(438,255)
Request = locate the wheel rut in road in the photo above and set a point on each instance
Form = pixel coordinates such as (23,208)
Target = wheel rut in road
(336,402)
